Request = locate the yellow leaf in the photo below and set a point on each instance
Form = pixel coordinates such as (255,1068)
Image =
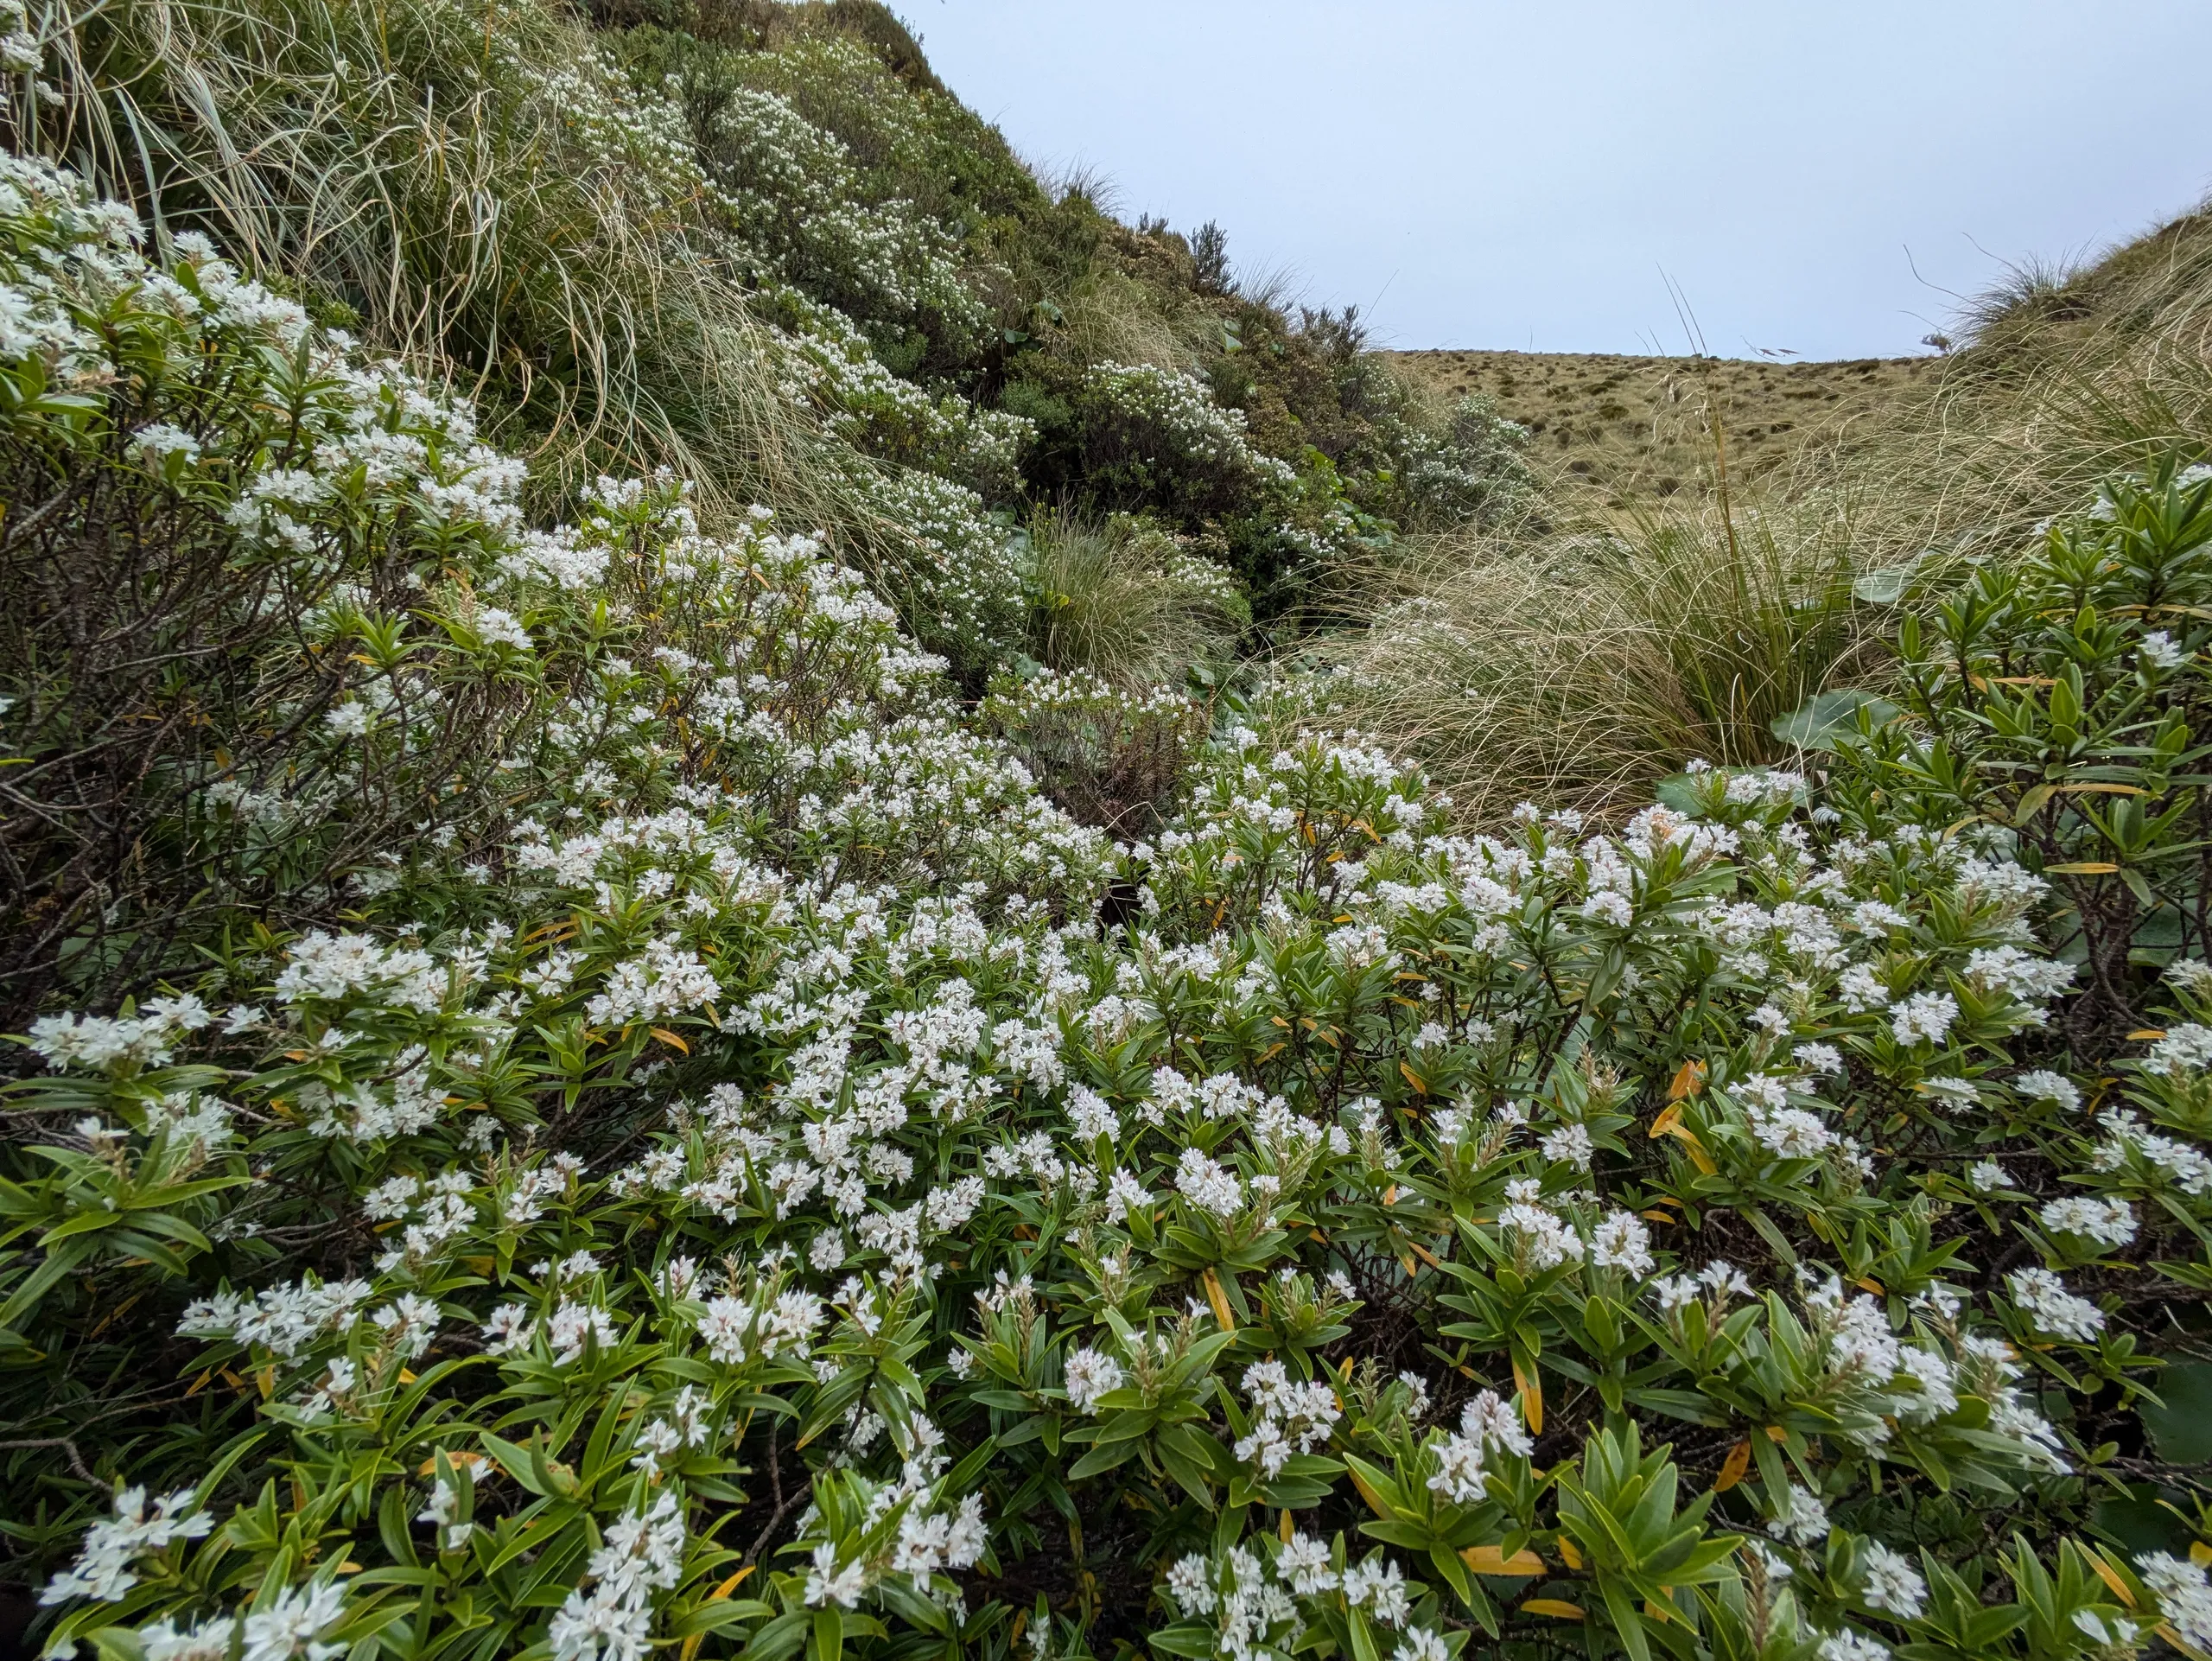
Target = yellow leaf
(1374,1499)
(2146,1034)
(1219,1299)
(1665,1123)
(1486,1560)
(691,1644)
(1286,1527)
(670,1038)
(1390,1194)
(463,1458)
(1569,1553)
(1557,1608)
(1656,1216)
(1732,1467)
(2106,1574)
(1689,1079)
(2200,1554)
(1775,1432)
(1413,1078)
(1531,1386)
(2083,868)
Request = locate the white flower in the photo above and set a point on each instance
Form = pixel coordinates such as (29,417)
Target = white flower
(2159,652)
(1090,1374)
(1208,1185)
(290,1625)
(2042,1085)
(502,627)
(1190,1582)
(1610,907)
(1987,1176)
(2186,1048)
(1303,1565)
(1893,1584)
(1570,1144)
(1804,1522)
(1622,1242)
(349,719)
(2107,1222)
(102,1571)
(161,440)
(1924,1017)
(2184,1596)
(2043,1297)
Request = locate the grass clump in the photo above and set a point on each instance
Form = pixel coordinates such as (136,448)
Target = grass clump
(1581,666)
(1125,601)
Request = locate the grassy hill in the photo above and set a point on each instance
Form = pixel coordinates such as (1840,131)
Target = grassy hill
(1637,427)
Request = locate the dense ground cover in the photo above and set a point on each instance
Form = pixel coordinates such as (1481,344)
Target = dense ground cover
(579,1094)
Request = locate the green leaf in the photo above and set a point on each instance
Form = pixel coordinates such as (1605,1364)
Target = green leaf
(1829,721)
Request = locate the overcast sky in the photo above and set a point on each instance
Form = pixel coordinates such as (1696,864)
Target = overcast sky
(1476,174)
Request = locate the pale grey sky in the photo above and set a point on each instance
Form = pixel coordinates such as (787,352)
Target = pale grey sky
(1477,173)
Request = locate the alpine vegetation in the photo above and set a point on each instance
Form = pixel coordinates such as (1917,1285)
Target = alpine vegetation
(579,1091)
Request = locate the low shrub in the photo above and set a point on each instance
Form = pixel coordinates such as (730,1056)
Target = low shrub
(1107,756)
(1155,437)
(2053,703)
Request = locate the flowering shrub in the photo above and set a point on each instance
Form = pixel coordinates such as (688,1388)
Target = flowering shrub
(834,366)
(1156,435)
(803,212)
(718,1185)
(1110,757)
(2052,700)
(952,571)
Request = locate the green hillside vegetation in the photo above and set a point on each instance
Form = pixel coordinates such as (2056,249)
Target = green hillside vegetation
(767,895)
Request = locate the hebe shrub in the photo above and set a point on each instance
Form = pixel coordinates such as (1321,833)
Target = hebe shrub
(732,1196)
(1108,756)
(2056,708)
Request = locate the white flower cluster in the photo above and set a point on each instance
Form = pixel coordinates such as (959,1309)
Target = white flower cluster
(103,1570)
(1289,1417)
(1486,1423)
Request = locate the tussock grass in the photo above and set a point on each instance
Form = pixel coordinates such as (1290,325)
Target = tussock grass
(1120,600)
(2071,372)
(1610,636)
(1576,668)
(470,193)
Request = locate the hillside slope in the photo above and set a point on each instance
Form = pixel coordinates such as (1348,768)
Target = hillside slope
(1637,428)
